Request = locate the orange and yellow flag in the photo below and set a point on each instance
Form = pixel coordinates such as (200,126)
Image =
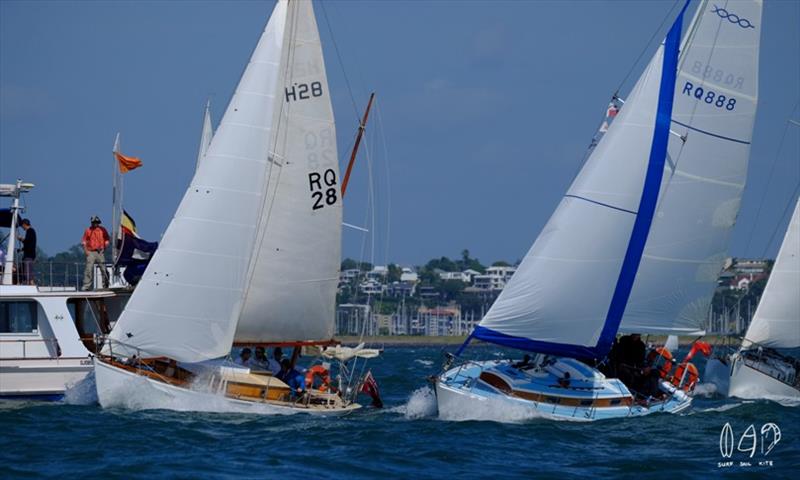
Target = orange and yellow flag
(126,164)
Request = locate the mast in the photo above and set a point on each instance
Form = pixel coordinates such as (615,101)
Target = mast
(13,190)
(361,127)
(116,199)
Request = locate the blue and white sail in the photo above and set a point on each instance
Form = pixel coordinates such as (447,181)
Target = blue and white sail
(652,207)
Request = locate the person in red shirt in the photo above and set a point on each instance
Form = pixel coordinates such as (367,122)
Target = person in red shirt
(95,240)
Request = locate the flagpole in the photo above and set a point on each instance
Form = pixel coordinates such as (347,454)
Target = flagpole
(116,200)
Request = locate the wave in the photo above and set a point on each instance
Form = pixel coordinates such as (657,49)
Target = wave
(427,363)
(82,392)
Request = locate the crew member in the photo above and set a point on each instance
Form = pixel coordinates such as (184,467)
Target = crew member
(28,252)
(95,241)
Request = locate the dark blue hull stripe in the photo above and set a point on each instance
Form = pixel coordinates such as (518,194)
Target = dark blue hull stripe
(711,134)
(641,225)
(601,204)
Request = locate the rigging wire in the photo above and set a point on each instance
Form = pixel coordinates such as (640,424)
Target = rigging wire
(789,204)
(339,57)
(769,178)
(647,44)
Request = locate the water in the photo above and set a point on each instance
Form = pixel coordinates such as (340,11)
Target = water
(405,439)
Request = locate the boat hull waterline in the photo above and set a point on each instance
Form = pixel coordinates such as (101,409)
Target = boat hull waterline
(118,387)
(536,393)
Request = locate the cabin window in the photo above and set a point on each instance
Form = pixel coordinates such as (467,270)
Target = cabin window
(19,317)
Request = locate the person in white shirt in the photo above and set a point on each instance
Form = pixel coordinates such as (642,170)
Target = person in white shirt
(260,361)
(275,361)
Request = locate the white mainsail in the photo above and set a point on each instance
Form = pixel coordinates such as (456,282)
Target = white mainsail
(704,177)
(187,304)
(567,288)
(295,270)
(776,323)
(206,135)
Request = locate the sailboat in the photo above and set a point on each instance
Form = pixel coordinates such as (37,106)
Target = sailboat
(252,254)
(636,243)
(758,369)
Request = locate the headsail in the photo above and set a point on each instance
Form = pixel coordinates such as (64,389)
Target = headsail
(776,323)
(186,305)
(593,266)
(295,270)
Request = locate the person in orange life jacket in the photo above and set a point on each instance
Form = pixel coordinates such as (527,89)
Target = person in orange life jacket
(95,240)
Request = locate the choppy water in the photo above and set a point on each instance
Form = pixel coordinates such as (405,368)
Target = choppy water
(405,439)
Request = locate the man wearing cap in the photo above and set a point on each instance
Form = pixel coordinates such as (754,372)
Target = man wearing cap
(95,240)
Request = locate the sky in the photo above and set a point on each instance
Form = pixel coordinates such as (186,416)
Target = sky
(484,111)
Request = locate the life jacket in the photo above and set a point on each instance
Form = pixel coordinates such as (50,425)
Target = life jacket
(661,359)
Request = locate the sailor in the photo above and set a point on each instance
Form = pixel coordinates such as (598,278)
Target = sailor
(244,358)
(95,240)
(275,361)
(260,361)
(293,378)
(28,252)
(629,356)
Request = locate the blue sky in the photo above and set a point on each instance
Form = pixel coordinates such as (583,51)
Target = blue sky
(486,109)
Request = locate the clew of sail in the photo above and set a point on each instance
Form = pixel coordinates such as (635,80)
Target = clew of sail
(295,267)
(776,323)
(715,105)
(187,304)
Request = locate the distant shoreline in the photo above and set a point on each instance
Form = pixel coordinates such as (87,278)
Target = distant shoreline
(419,340)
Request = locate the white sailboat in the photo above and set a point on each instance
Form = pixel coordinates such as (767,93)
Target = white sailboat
(252,254)
(758,369)
(637,242)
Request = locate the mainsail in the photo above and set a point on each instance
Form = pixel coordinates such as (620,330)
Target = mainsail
(776,323)
(187,304)
(295,271)
(656,193)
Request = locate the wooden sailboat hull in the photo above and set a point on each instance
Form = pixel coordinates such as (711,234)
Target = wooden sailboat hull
(118,386)
(485,390)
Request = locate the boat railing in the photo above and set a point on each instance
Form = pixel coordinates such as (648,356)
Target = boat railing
(50,276)
(29,348)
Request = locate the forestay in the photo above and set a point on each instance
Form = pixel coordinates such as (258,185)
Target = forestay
(639,238)
(188,301)
(295,270)
(776,322)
